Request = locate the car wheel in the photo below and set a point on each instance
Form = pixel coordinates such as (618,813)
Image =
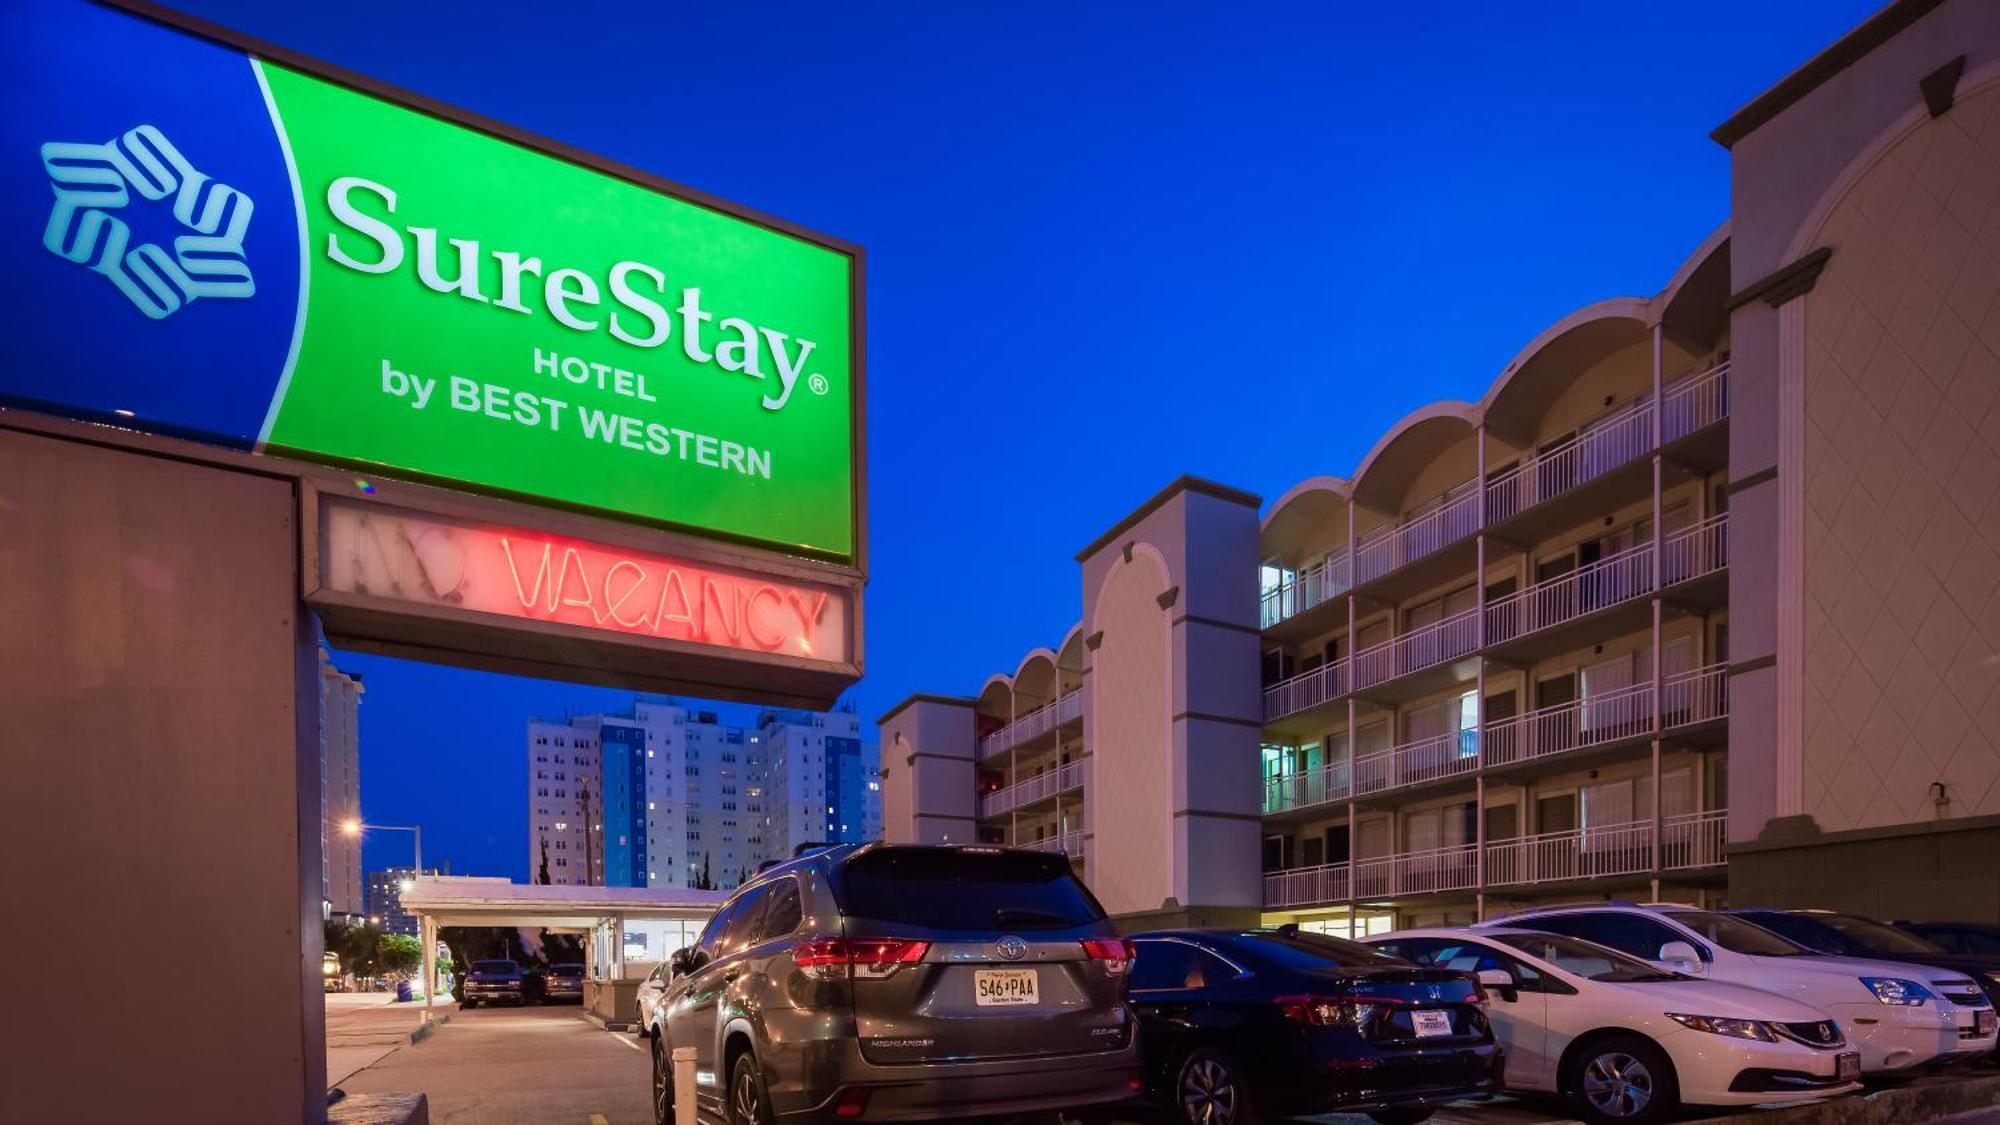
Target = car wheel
(663,1086)
(468,1005)
(1402,1116)
(1210,1088)
(1624,1079)
(747,1104)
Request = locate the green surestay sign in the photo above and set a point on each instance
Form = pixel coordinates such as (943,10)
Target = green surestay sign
(250,254)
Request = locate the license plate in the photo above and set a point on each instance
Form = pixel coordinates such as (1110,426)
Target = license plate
(1847,1066)
(1983,1022)
(1428,1022)
(1005,987)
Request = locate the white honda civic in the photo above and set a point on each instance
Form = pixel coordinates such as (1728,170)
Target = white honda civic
(1627,1042)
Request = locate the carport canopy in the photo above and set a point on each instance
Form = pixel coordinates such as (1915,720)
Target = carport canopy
(604,913)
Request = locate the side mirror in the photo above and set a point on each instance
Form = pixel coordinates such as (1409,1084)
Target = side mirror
(1500,981)
(682,961)
(1681,958)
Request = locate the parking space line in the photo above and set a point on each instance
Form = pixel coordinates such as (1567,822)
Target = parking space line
(628,1041)
(598,1119)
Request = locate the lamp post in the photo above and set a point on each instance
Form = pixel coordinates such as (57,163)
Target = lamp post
(352,826)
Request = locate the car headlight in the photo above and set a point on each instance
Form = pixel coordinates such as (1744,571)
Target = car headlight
(1726,1025)
(1894,990)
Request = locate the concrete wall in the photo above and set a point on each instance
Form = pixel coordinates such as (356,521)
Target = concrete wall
(1865,456)
(1937,872)
(167,784)
(928,785)
(1174,714)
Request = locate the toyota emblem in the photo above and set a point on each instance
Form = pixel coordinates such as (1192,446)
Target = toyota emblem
(1011,948)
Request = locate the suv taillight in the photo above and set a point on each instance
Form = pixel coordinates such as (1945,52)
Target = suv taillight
(869,958)
(1116,953)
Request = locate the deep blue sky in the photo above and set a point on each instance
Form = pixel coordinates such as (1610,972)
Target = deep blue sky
(1108,244)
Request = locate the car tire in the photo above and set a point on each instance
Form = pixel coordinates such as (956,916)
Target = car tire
(1621,1080)
(663,1085)
(748,1103)
(467,1005)
(1211,1088)
(1409,1116)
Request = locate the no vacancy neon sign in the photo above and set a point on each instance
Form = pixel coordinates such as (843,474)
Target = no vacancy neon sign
(519,574)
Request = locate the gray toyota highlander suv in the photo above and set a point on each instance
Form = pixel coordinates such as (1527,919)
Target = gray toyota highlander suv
(894,983)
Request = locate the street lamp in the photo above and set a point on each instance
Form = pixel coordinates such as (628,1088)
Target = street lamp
(352,826)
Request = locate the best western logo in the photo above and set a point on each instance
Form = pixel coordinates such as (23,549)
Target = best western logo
(636,293)
(94,182)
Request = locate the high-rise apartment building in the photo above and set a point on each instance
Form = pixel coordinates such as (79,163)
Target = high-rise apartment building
(1699,598)
(385,899)
(671,797)
(340,790)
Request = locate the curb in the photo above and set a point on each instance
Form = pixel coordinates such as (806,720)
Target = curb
(609,1025)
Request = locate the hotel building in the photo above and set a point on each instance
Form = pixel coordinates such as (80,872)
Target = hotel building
(1696,600)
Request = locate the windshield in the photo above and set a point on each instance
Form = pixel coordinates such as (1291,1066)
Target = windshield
(1583,959)
(964,889)
(1876,936)
(1736,935)
(1311,951)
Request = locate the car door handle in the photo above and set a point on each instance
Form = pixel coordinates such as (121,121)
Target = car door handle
(730,976)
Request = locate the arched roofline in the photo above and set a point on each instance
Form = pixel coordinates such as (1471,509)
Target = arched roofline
(1037,653)
(1639,309)
(1073,636)
(1448,411)
(1334,485)
(1714,242)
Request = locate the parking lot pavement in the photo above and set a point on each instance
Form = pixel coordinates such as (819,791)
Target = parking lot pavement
(361,1027)
(518,1066)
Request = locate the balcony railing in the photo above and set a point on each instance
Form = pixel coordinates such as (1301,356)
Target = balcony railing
(1694,402)
(1069,843)
(1420,648)
(1330,577)
(1693,840)
(1042,786)
(1697,696)
(1687,842)
(1600,585)
(1303,885)
(1593,451)
(1592,721)
(1040,721)
(1455,517)
(1695,552)
(1306,789)
(1580,853)
(1416,762)
(1307,689)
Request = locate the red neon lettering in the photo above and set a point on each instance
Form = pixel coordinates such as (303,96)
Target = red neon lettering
(612,603)
(528,597)
(750,618)
(683,614)
(711,594)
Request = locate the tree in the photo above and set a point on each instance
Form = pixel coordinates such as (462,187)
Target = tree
(544,879)
(703,882)
(399,953)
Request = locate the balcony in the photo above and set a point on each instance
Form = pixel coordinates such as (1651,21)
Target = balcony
(1313,586)
(1688,842)
(1453,519)
(1427,647)
(1325,785)
(1695,698)
(1034,724)
(1041,787)
(1600,720)
(1305,691)
(1541,613)
(1068,843)
(1304,886)
(1598,451)
(1417,762)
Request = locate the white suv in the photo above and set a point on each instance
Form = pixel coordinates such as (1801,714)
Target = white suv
(1898,1016)
(1627,1042)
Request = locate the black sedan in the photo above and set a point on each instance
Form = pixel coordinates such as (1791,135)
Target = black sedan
(1849,935)
(1239,1025)
(1958,937)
